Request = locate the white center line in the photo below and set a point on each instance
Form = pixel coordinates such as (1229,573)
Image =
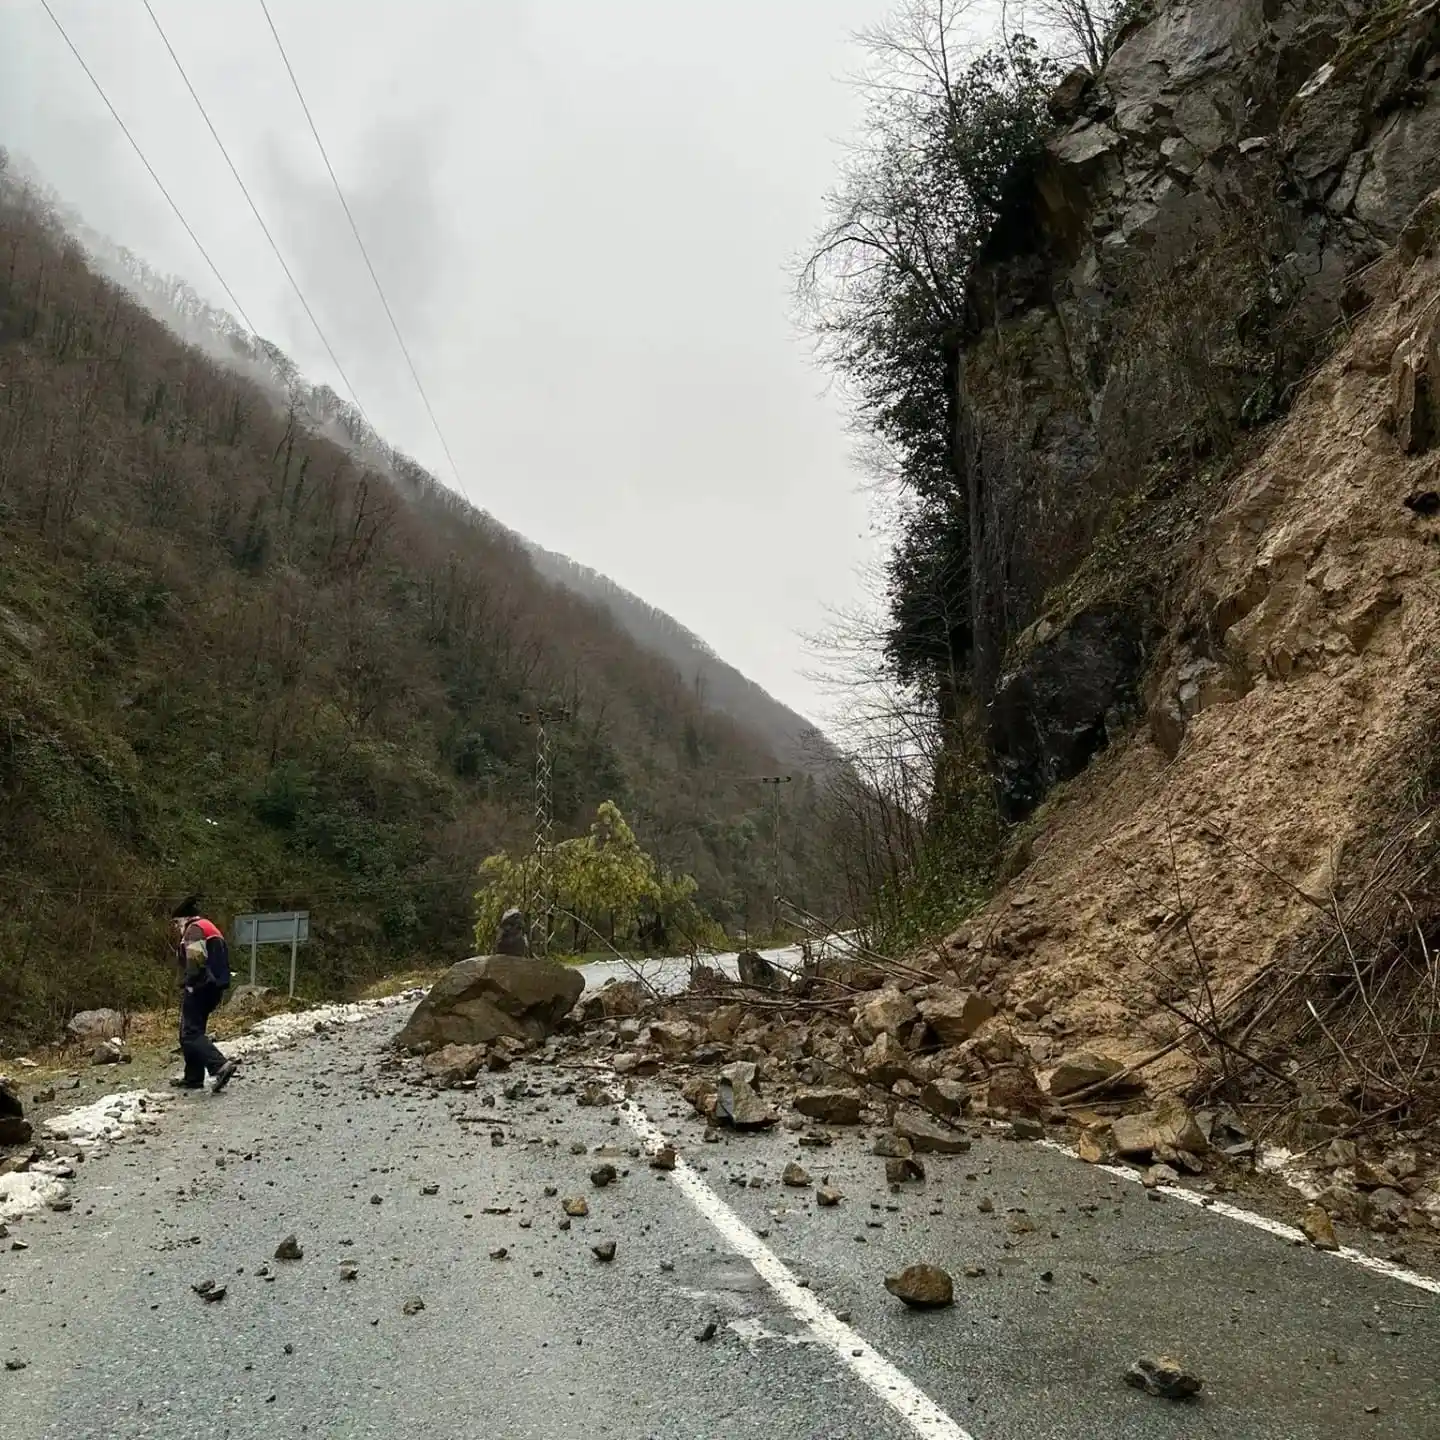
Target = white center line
(1261,1222)
(866,1363)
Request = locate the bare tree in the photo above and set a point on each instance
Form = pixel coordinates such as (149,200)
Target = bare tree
(1084,31)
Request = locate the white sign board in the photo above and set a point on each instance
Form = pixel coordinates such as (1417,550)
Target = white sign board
(278,927)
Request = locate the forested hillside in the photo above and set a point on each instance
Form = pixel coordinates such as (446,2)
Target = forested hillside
(717,685)
(247,650)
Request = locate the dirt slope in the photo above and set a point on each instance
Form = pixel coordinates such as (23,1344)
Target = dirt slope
(1306,665)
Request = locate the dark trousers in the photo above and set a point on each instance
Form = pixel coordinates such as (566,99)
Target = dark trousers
(201,1052)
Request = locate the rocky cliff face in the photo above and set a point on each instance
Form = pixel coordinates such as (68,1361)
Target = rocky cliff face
(1199,233)
(1285,642)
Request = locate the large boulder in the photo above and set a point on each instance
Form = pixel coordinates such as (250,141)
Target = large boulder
(96,1024)
(489,996)
(14,1127)
(955,1015)
(884,1014)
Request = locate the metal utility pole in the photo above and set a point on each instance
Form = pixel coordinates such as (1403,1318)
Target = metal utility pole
(775,782)
(540,901)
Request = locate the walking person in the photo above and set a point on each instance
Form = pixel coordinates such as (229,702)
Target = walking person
(204,962)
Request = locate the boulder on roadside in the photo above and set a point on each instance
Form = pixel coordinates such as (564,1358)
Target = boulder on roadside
(1169,1124)
(830,1107)
(725,1023)
(736,1101)
(110,1052)
(886,1060)
(1163,1376)
(96,1024)
(614,1000)
(930,1137)
(922,1287)
(486,997)
(949,1098)
(1011,1091)
(884,1014)
(756,970)
(15,1129)
(671,1037)
(1319,1229)
(955,1015)
(1099,1074)
(702,1094)
(453,1063)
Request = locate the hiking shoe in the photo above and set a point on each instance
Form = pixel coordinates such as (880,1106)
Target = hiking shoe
(179,1082)
(224,1074)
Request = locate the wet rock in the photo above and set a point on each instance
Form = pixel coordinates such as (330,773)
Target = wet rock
(754,969)
(955,1015)
(487,997)
(1170,1123)
(796,1176)
(1163,1376)
(413,1306)
(706,1331)
(96,1024)
(886,1060)
(1318,1228)
(1026,1127)
(930,1137)
(827,1197)
(289,1249)
(922,1287)
(736,1101)
(451,1064)
(575,1205)
(603,1175)
(830,1107)
(604,1251)
(892,1147)
(949,1098)
(884,1014)
(900,1171)
(615,1000)
(664,1158)
(209,1291)
(1099,1074)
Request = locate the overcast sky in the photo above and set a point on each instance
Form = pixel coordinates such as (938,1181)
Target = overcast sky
(584,213)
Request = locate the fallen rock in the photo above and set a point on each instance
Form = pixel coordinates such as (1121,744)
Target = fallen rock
(96,1024)
(754,969)
(453,1063)
(672,1037)
(1100,1074)
(664,1158)
(481,999)
(1091,1146)
(289,1249)
(886,1060)
(1026,1127)
(796,1176)
(603,1175)
(1319,1229)
(209,1291)
(1170,1123)
(349,1270)
(922,1287)
(892,1147)
(929,1137)
(615,1000)
(830,1107)
(949,1098)
(736,1101)
(884,1014)
(110,1052)
(575,1205)
(901,1171)
(1163,1376)
(605,1250)
(413,1306)
(1011,1091)
(500,1252)
(827,1197)
(955,1015)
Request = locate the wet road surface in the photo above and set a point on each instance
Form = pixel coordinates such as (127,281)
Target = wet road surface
(1082,1273)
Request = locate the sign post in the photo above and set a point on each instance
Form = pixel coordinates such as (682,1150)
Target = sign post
(278,927)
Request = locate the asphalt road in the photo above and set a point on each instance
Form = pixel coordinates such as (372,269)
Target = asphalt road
(552,1342)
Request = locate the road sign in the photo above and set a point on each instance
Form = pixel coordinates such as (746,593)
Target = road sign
(278,927)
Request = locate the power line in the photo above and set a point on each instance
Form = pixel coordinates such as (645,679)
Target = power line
(255,211)
(150,169)
(355,231)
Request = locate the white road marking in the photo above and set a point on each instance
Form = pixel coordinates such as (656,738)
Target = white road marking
(866,1363)
(1263,1222)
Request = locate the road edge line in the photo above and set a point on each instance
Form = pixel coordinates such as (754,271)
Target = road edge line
(878,1374)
